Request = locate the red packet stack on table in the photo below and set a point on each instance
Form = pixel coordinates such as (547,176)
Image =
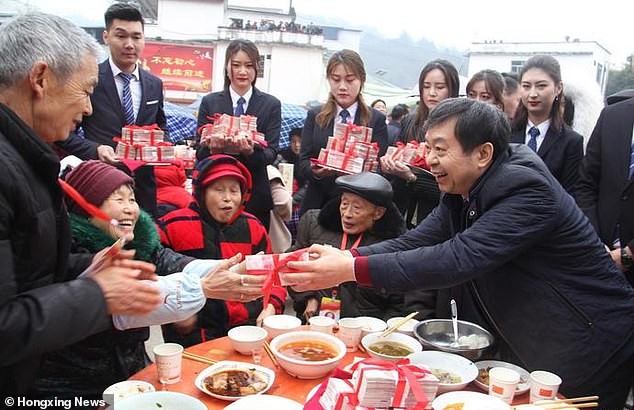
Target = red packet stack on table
(412,153)
(144,143)
(350,150)
(224,130)
(378,384)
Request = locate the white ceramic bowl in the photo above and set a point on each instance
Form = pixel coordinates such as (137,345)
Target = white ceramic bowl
(278,324)
(262,373)
(305,369)
(124,389)
(406,328)
(448,362)
(161,400)
(372,338)
(246,338)
(371,325)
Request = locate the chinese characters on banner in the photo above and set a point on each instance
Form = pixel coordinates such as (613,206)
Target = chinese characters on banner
(184,69)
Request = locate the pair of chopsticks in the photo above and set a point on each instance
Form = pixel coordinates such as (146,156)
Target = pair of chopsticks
(398,324)
(561,404)
(195,357)
(269,352)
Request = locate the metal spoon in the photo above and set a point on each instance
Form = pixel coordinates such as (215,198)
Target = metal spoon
(454,320)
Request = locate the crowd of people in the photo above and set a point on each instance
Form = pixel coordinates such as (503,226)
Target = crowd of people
(509,217)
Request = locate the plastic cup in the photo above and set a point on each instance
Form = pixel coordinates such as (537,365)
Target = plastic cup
(350,333)
(544,385)
(502,383)
(323,324)
(256,354)
(169,359)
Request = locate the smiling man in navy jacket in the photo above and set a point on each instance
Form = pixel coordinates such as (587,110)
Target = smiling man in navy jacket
(126,41)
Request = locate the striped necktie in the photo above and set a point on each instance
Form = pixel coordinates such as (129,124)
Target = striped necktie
(240,107)
(532,142)
(344,114)
(126,98)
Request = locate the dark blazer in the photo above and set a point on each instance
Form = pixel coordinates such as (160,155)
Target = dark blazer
(268,110)
(314,138)
(562,153)
(605,191)
(107,118)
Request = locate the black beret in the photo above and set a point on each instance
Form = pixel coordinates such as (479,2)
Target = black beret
(368,185)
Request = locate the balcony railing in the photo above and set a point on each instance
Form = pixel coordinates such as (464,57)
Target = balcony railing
(227,33)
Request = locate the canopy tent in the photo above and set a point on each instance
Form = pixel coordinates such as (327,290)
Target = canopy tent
(181,122)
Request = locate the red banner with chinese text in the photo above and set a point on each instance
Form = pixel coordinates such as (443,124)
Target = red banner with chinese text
(181,67)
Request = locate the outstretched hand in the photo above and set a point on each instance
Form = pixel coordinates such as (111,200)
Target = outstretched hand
(223,283)
(327,268)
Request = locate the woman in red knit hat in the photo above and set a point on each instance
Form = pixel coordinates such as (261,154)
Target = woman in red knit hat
(216,226)
(87,367)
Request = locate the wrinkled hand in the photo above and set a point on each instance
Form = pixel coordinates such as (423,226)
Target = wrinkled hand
(269,311)
(321,172)
(122,282)
(312,308)
(328,268)
(245,146)
(186,326)
(391,166)
(106,154)
(223,283)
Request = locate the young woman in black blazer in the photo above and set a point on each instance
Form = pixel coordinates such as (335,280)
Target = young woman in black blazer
(241,71)
(346,75)
(541,107)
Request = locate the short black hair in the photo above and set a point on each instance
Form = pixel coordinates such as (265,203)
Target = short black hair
(476,123)
(122,11)
(399,111)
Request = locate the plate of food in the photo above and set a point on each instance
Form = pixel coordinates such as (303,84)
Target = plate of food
(468,400)
(127,388)
(482,381)
(229,380)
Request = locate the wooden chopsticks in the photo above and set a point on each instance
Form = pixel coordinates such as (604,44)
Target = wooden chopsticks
(562,404)
(202,359)
(398,324)
(269,352)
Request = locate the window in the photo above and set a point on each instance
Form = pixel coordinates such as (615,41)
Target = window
(599,73)
(516,65)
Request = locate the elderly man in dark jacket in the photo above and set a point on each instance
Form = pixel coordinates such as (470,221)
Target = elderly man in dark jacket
(45,81)
(535,267)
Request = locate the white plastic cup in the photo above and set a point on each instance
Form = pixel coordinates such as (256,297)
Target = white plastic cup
(350,333)
(169,360)
(502,383)
(544,385)
(323,324)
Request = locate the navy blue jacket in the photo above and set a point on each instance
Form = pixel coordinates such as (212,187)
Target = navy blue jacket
(536,267)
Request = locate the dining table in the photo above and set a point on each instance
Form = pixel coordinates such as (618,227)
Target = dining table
(284,384)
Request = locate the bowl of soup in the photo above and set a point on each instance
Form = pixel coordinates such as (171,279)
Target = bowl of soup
(392,347)
(307,354)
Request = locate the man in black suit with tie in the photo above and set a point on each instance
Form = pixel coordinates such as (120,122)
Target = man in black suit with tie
(126,94)
(606,184)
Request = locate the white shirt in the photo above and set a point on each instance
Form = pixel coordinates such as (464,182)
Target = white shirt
(135,86)
(543,129)
(235,97)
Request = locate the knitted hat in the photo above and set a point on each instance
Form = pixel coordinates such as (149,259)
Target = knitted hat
(95,181)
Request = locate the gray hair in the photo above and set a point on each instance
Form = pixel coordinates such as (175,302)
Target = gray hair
(33,37)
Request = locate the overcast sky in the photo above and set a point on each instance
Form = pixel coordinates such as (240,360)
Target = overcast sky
(453,23)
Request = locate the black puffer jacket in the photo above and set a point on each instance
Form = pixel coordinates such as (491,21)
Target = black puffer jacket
(39,310)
